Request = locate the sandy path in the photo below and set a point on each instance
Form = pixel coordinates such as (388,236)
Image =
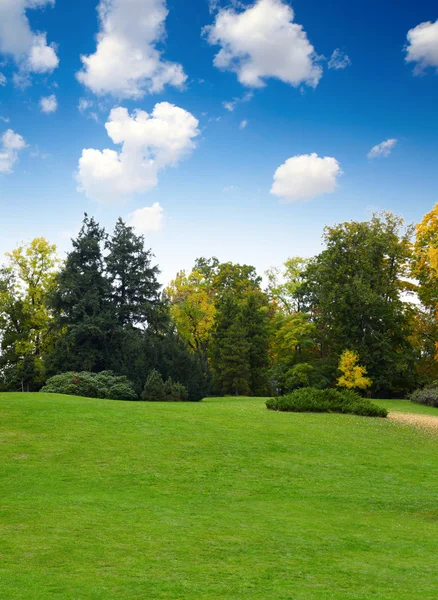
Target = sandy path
(423,421)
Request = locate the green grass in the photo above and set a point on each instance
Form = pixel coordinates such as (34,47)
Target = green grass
(406,406)
(217,500)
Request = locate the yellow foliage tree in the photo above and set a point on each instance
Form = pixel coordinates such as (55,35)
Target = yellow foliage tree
(426,265)
(353,375)
(192,308)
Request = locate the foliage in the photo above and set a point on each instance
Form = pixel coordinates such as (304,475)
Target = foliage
(353,375)
(193,310)
(425,268)
(331,401)
(91,385)
(427,396)
(353,291)
(157,390)
(239,348)
(81,303)
(25,321)
(133,280)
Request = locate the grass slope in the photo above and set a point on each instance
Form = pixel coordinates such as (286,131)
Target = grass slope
(217,500)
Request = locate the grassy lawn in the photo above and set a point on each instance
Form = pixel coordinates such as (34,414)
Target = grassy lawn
(217,500)
(407,407)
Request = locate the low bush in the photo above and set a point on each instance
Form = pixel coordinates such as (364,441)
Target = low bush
(91,385)
(156,390)
(427,396)
(329,401)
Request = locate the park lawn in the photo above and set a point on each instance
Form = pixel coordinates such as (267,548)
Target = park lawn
(406,406)
(217,500)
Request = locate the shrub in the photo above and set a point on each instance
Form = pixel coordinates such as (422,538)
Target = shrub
(427,396)
(156,390)
(330,401)
(91,385)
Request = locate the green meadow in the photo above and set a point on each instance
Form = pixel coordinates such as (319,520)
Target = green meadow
(220,500)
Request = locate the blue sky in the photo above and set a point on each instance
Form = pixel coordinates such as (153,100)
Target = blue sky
(208,187)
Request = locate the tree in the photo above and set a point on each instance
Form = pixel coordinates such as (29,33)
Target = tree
(425,268)
(193,309)
(25,320)
(84,314)
(353,375)
(154,389)
(354,293)
(230,353)
(285,284)
(240,339)
(134,285)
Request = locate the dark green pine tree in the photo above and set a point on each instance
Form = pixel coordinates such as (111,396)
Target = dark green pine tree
(135,298)
(135,288)
(84,318)
(256,319)
(230,349)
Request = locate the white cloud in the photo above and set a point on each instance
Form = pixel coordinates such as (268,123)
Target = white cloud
(383,149)
(29,50)
(49,104)
(84,105)
(263,41)
(423,46)
(150,142)
(305,177)
(149,218)
(3,80)
(243,124)
(231,105)
(11,144)
(127,63)
(339,60)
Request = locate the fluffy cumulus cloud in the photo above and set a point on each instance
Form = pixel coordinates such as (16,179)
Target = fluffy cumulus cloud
(306,176)
(49,104)
(3,80)
(383,149)
(149,143)
(29,49)
(11,144)
(422,47)
(263,41)
(147,219)
(127,63)
(339,60)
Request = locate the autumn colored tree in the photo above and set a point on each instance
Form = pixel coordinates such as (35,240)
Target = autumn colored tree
(25,320)
(193,309)
(353,374)
(425,270)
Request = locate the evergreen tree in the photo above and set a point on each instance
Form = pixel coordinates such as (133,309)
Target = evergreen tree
(135,289)
(231,349)
(84,317)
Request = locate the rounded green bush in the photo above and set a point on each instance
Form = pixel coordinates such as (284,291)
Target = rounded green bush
(91,385)
(326,401)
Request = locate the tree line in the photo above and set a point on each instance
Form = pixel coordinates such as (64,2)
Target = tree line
(370,297)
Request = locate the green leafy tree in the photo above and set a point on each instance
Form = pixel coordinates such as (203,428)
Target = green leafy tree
(25,320)
(354,292)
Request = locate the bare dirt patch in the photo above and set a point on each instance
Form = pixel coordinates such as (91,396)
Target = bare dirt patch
(423,421)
